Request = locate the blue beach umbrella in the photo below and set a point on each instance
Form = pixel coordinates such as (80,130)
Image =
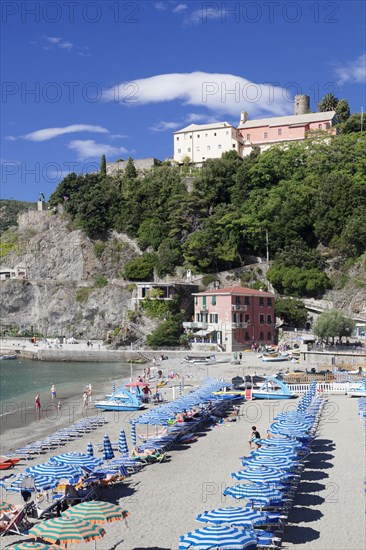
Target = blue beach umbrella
(90,450)
(275,451)
(277,462)
(133,434)
(260,475)
(218,536)
(77,459)
(55,470)
(108,453)
(260,493)
(235,516)
(122,443)
(41,482)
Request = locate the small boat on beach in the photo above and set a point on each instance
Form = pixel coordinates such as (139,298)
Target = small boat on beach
(358,391)
(6,463)
(120,400)
(275,357)
(272,388)
(200,360)
(7,357)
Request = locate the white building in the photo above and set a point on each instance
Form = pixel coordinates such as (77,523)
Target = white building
(19,272)
(200,142)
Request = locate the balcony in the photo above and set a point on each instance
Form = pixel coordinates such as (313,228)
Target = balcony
(195,324)
(239,307)
(239,325)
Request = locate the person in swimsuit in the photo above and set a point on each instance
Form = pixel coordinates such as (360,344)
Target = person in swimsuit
(53,391)
(38,406)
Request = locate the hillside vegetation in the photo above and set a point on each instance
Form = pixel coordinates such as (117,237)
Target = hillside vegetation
(310,197)
(9,210)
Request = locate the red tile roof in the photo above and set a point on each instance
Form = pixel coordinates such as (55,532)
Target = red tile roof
(236,291)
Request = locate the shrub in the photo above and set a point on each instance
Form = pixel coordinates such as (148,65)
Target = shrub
(99,248)
(208,279)
(131,287)
(82,294)
(100,281)
(141,269)
(167,334)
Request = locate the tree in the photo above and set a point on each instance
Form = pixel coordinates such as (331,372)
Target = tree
(130,170)
(141,269)
(333,324)
(352,124)
(328,103)
(103,166)
(167,334)
(292,312)
(343,111)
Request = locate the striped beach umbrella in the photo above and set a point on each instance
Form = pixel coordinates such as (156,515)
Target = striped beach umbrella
(90,450)
(235,516)
(33,546)
(40,482)
(5,506)
(259,493)
(275,451)
(133,435)
(67,530)
(260,475)
(277,462)
(218,536)
(96,512)
(55,470)
(107,448)
(122,442)
(77,459)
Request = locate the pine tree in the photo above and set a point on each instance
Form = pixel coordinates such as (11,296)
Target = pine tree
(103,166)
(343,111)
(130,171)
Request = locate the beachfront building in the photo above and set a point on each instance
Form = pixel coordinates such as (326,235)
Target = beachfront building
(18,272)
(233,318)
(166,291)
(199,142)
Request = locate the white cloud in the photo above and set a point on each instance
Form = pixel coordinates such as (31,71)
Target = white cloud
(117,136)
(160,6)
(204,15)
(162,126)
(221,93)
(57,42)
(180,8)
(195,117)
(90,149)
(50,133)
(10,138)
(354,71)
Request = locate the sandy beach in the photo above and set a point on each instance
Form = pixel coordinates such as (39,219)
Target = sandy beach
(164,499)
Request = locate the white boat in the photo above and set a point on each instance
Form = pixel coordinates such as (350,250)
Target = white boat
(277,357)
(272,388)
(200,360)
(358,391)
(120,400)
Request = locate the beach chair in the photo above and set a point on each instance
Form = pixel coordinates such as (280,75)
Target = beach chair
(18,525)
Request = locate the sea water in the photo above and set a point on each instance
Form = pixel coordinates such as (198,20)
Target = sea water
(21,379)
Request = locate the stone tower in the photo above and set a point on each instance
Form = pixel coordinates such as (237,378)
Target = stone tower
(302,104)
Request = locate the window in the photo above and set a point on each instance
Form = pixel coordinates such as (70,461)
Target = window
(248,137)
(269,336)
(190,137)
(261,319)
(319,126)
(327,125)
(203,158)
(261,301)
(179,150)
(233,145)
(269,302)
(237,300)
(198,135)
(247,337)
(198,317)
(247,318)
(234,318)
(280,131)
(215,134)
(261,336)
(219,146)
(227,133)
(206,135)
(196,300)
(177,138)
(214,318)
(213,300)
(269,319)
(208,148)
(265,135)
(204,302)
(246,301)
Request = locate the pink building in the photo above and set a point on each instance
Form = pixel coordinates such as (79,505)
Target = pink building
(266,132)
(233,318)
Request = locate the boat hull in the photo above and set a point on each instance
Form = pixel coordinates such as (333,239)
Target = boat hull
(258,395)
(109,406)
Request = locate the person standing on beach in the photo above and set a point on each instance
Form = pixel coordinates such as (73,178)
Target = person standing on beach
(38,406)
(53,391)
(85,399)
(254,435)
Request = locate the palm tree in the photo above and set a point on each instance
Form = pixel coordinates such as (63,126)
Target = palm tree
(328,103)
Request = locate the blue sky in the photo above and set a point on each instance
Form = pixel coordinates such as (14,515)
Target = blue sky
(85,78)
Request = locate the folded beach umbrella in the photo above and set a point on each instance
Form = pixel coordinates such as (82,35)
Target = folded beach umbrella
(260,475)
(122,443)
(55,470)
(261,493)
(235,516)
(33,546)
(133,434)
(67,530)
(218,536)
(107,448)
(77,459)
(90,450)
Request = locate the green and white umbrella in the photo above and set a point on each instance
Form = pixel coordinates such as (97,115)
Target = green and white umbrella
(96,512)
(67,531)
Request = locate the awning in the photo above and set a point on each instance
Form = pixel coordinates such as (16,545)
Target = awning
(203,332)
